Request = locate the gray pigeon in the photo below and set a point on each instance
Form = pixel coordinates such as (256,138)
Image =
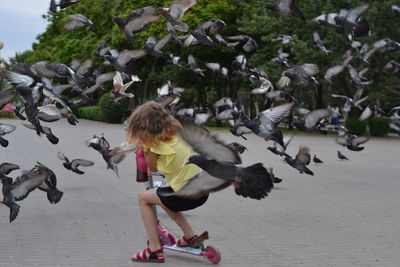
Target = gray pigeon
(352,141)
(303,158)
(218,162)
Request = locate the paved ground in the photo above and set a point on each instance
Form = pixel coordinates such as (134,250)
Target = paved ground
(346,215)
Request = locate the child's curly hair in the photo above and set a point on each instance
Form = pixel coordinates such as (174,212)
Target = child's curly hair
(151,123)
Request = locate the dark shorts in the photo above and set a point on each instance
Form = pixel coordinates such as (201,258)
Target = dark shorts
(175,203)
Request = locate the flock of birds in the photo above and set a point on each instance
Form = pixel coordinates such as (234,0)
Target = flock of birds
(44,79)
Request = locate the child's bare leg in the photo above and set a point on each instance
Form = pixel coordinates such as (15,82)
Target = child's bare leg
(181,221)
(146,200)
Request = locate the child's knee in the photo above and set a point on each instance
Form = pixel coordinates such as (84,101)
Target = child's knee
(142,198)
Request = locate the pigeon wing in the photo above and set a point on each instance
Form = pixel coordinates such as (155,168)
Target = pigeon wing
(303,156)
(207,144)
(61,156)
(354,13)
(359,140)
(275,114)
(6,129)
(127,56)
(81,162)
(341,141)
(27,182)
(6,96)
(16,78)
(177,9)
(202,185)
(85,67)
(162,42)
(312,118)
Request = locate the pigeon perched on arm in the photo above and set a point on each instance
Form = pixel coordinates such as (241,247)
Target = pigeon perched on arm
(218,162)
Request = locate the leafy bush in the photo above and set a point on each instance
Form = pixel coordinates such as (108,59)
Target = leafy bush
(356,126)
(90,113)
(379,126)
(7,114)
(112,112)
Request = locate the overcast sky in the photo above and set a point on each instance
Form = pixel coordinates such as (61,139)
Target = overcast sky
(20,23)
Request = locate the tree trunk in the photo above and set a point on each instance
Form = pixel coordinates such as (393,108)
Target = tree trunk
(147,81)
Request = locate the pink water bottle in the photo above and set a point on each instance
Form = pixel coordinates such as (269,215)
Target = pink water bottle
(141,167)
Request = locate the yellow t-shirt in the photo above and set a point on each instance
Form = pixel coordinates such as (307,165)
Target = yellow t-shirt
(172,158)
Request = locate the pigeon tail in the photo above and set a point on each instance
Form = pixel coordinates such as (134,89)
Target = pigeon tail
(78,171)
(3,142)
(256,182)
(54,196)
(52,138)
(352,148)
(308,171)
(14,210)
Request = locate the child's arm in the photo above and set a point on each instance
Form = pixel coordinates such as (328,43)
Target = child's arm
(151,160)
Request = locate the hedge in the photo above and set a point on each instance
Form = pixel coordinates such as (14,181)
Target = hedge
(90,113)
(379,126)
(7,114)
(113,112)
(356,126)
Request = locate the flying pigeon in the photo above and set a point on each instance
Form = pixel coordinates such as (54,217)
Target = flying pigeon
(75,163)
(137,20)
(119,87)
(218,162)
(111,156)
(277,149)
(300,75)
(266,122)
(20,188)
(79,21)
(311,121)
(5,129)
(303,158)
(352,141)
(286,8)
